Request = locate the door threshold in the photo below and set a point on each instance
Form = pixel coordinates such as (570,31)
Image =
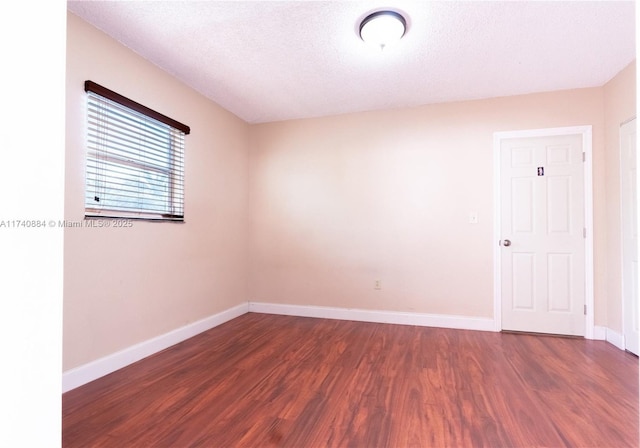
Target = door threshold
(553,335)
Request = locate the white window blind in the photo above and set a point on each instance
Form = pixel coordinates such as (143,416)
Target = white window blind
(135,159)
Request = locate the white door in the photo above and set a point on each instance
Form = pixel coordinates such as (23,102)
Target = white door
(629,209)
(542,234)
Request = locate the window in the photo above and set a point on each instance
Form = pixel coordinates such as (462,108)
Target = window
(135,159)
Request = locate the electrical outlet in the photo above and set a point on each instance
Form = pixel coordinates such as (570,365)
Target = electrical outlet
(377,285)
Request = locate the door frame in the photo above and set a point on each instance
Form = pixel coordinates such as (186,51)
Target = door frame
(586,133)
(637,186)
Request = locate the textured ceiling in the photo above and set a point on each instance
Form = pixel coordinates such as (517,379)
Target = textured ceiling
(278,60)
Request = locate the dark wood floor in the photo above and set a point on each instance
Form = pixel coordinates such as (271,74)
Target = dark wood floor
(265,380)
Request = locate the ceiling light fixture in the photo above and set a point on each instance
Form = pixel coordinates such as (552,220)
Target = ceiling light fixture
(382,28)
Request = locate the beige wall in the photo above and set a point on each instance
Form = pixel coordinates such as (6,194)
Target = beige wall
(619,106)
(124,286)
(339,202)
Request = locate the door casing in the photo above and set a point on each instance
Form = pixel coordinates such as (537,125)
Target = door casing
(623,215)
(586,133)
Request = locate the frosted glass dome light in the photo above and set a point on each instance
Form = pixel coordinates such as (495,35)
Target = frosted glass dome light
(382,28)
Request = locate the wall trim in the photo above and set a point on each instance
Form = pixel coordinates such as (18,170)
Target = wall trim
(86,373)
(615,338)
(607,334)
(387,317)
(83,374)
(599,333)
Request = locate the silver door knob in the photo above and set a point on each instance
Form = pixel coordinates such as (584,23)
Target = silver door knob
(506,243)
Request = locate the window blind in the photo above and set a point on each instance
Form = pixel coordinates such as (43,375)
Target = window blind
(135,162)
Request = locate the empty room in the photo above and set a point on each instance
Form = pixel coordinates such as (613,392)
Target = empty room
(337,223)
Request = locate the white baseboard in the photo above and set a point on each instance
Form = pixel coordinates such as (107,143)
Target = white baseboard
(615,338)
(599,333)
(88,372)
(607,334)
(387,317)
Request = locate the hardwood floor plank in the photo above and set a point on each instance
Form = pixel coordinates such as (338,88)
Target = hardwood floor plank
(545,363)
(282,381)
